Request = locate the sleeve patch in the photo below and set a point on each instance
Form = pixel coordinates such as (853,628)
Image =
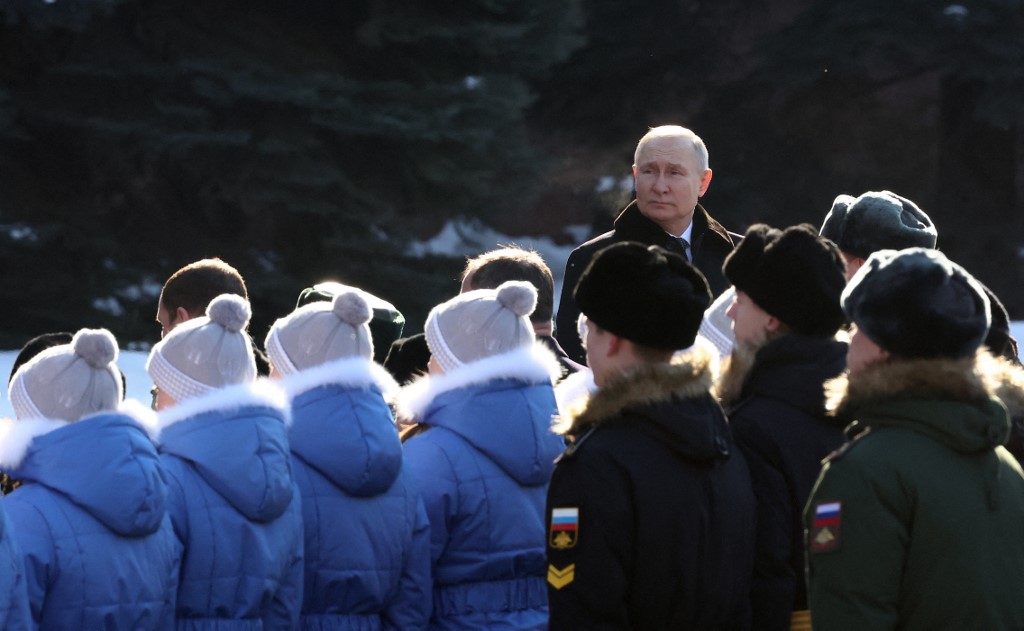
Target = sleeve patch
(560,578)
(825,529)
(565,528)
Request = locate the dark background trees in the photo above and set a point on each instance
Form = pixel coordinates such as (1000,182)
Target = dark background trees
(302,141)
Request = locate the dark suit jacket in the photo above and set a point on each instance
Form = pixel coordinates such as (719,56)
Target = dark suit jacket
(710,244)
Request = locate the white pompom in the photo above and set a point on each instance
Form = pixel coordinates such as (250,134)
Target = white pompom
(230,311)
(518,296)
(352,308)
(96,346)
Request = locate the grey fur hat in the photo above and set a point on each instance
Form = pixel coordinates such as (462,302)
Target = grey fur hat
(916,303)
(877,221)
(321,332)
(206,353)
(481,323)
(69,381)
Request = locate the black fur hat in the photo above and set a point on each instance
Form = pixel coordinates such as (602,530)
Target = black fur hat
(916,303)
(793,274)
(999,340)
(648,295)
(877,221)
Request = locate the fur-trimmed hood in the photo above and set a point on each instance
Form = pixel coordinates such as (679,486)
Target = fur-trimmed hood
(955,401)
(342,427)
(355,373)
(104,463)
(533,364)
(672,399)
(236,439)
(502,406)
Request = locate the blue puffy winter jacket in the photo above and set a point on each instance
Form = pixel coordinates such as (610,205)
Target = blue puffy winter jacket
(483,469)
(235,509)
(90,519)
(367,535)
(14,612)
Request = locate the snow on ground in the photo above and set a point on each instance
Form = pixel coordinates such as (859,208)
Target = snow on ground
(133,364)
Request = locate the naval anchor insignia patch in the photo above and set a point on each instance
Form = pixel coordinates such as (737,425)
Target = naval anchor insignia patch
(565,528)
(560,578)
(824,534)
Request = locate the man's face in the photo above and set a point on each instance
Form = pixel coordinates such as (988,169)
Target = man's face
(165,319)
(750,323)
(669,181)
(852,264)
(863,352)
(595,342)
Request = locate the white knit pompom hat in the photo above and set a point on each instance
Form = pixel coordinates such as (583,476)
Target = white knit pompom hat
(205,353)
(321,332)
(69,381)
(481,323)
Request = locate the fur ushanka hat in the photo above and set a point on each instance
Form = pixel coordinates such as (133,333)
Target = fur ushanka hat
(793,274)
(877,221)
(916,303)
(648,295)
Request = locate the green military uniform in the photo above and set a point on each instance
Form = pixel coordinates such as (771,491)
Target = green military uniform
(919,522)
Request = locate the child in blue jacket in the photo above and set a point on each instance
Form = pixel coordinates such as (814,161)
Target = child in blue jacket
(484,461)
(90,515)
(367,536)
(224,447)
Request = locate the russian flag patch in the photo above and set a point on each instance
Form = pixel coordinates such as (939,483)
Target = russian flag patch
(825,529)
(565,528)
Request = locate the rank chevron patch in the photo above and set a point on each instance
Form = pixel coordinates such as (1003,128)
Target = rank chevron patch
(560,578)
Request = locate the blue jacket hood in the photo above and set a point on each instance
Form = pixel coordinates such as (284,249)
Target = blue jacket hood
(342,427)
(236,439)
(502,405)
(105,464)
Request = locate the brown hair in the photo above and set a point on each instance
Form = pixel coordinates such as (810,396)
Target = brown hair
(491,269)
(195,285)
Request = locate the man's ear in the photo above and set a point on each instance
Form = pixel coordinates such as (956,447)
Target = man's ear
(181,315)
(773,324)
(705,181)
(614,344)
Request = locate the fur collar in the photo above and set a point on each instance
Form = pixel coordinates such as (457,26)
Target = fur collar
(1006,380)
(735,368)
(688,375)
(16,436)
(350,372)
(972,379)
(260,393)
(533,364)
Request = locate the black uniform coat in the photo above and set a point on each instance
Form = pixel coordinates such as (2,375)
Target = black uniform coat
(656,509)
(710,243)
(778,418)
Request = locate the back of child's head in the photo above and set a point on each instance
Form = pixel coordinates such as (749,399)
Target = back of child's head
(481,323)
(69,381)
(321,332)
(205,353)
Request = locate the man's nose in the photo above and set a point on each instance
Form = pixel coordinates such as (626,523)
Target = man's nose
(661,182)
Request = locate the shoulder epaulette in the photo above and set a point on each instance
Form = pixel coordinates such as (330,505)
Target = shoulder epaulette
(838,453)
(575,445)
